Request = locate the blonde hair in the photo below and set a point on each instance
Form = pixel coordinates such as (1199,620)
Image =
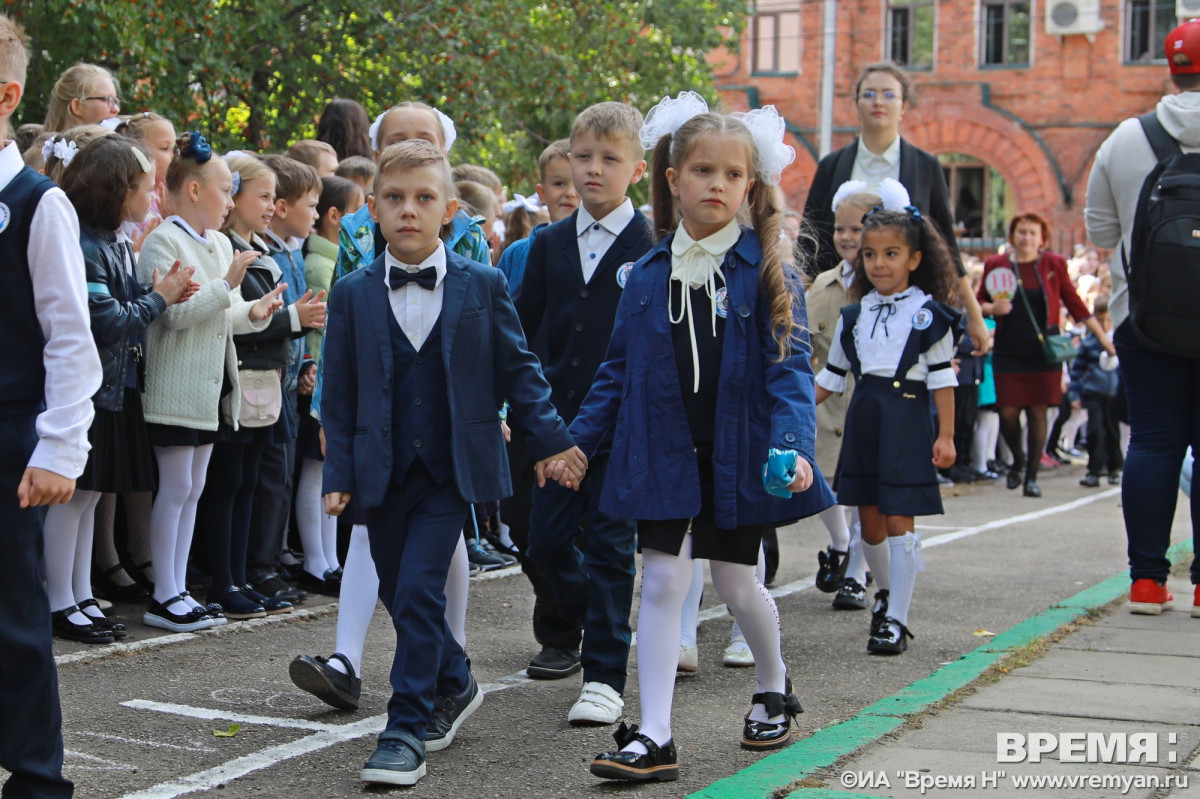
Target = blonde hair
(74,84)
(247,166)
(419,106)
(135,125)
(407,156)
(81,135)
(611,120)
(478,197)
(478,174)
(555,149)
(14,51)
(308,151)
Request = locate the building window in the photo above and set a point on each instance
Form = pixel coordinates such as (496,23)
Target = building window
(1147,23)
(910,33)
(775,37)
(979,198)
(1006,33)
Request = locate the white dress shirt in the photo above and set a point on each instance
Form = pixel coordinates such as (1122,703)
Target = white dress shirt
(597,235)
(72,364)
(417,309)
(846,274)
(880,335)
(874,168)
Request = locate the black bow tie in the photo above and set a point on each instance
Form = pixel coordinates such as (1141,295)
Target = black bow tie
(399,278)
(884,310)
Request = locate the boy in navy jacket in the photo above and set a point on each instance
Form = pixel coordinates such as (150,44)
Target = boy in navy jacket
(422,348)
(573,280)
(51,370)
(1096,386)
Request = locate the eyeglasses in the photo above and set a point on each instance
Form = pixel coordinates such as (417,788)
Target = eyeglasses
(110,101)
(870,95)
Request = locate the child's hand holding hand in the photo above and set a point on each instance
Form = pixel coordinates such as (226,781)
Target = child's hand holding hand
(943,452)
(336,501)
(269,304)
(566,468)
(176,284)
(237,270)
(311,310)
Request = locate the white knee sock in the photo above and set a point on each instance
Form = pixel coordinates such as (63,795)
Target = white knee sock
(356,602)
(457,586)
(760,571)
(758,618)
(689,617)
(856,569)
(81,578)
(877,559)
(834,519)
(665,582)
(61,543)
(907,559)
(309,518)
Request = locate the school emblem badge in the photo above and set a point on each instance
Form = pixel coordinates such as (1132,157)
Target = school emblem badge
(5,217)
(623,273)
(721,300)
(922,319)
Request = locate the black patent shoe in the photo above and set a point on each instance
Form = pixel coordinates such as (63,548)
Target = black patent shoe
(102,622)
(660,763)
(82,633)
(1031,489)
(271,604)
(851,596)
(1013,480)
(112,590)
(879,613)
(763,735)
(832,569)
(892,639)
(315,675)
(236,605)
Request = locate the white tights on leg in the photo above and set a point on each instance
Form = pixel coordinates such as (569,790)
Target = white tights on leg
(758,618)
(318,530)
(68,552)
(181,475)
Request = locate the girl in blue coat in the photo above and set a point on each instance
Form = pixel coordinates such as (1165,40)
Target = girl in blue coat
(707,371)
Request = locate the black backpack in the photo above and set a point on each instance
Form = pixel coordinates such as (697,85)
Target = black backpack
(1163,264)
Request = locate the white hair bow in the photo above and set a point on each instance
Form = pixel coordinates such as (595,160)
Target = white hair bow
(669,115)
(449,132)
(530,204)
(767,128)
(62,149)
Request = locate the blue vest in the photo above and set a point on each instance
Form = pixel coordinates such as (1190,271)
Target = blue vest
(420,406)
(23,379)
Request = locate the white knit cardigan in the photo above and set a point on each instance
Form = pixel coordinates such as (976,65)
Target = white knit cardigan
(191,342)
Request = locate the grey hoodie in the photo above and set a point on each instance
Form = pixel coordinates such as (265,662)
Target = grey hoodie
(1120,169)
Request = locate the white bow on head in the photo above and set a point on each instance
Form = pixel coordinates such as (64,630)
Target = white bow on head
(449,132)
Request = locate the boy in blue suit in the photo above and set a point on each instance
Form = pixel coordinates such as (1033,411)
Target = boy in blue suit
(421,349)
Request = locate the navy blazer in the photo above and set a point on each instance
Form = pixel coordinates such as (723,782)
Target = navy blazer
(578,316)
(920,173)
(486,361)
(762,402)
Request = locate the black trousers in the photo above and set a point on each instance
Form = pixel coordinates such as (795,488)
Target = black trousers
(272,508)
(31,745)
(966,409)
(1104,435)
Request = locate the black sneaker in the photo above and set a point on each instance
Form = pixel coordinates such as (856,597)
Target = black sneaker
(1090,481)
(879,612)
(851,596)
(480,552)
(831,569)
(892,638)
(1114,478)
(275,587)
(315,675)
(553,663)
(449,712)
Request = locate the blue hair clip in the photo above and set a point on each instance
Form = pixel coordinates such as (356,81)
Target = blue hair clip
(870,214)
(197,148)
(914,213)
(237,184)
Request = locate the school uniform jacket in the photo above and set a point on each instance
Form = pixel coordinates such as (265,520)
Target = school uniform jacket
(486,362)
(579,316)
(761,403)
(920,173)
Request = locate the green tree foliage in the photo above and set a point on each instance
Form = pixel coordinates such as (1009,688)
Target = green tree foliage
(511,73)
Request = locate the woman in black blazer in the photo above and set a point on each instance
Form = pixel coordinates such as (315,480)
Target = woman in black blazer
(882,95)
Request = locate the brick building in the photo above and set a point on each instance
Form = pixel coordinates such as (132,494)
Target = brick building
(1014,111)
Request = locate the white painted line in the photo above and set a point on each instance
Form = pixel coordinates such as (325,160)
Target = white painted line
(139,742)
(101,764)
(240,767)
(224,715)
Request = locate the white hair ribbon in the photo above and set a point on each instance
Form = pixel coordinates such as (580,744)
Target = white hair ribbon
(669,115)
(449,132)
(530,204)
(767,128)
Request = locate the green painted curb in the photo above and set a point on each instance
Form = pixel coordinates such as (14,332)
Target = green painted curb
(827,746)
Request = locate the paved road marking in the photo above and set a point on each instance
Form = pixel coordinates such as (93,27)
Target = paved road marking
(98,763)
(139,742)
(225,715)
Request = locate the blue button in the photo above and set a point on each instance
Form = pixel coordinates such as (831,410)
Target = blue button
(591,255)
(789,437)
(595,227)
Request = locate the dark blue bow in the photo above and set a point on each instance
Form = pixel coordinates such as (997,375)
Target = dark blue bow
(884,311)
(197,148)
(425,278)
(914,213)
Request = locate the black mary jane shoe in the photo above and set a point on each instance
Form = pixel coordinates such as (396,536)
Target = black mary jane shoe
(1013,480)
(110,589)
(892,638)
(102,622)
(1031,489)
(760,736)
(831,572)
(82,633)
(879,611)
(660,763)
(272,605)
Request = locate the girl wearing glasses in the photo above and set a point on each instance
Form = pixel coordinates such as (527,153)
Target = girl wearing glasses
(84,94)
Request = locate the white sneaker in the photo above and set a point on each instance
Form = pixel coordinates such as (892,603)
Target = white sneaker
(738,653)
(689,659)
(598,704)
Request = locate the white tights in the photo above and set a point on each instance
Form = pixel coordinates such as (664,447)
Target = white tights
(318,530)
(987,432)
(68,552)
(181,474)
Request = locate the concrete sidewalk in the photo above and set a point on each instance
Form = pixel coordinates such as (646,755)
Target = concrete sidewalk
(1120,693)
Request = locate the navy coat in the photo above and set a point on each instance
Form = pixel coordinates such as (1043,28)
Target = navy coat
(486,361)
(761,403)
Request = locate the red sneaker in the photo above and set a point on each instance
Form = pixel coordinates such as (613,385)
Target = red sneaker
(1150,597)
(1196,604)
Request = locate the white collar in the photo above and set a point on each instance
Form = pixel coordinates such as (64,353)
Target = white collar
(616,221)
(11,163)
(191,231)
(697,264)
(437,260)
(847,269)
(891,155)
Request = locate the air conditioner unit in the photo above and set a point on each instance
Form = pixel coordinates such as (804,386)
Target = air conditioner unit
(1067,17)
(1186,9)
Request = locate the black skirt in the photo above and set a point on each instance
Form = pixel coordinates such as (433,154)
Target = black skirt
(122,456)
(708,541)
(308,443)
(887,452)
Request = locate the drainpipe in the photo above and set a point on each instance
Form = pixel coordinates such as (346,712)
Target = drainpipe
(827,70)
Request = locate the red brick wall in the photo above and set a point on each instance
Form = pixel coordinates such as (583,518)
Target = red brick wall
(1072,95)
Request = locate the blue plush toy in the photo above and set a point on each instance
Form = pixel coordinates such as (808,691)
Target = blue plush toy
(779,471)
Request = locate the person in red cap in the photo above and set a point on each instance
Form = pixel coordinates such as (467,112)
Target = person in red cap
(1163,389)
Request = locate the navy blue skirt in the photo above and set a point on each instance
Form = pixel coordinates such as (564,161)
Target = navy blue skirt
(887,452)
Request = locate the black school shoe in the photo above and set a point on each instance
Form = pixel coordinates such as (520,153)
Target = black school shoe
(879,614)
(832,571)
(398,759)
(553,663)
(275,587)
(236,605)
(102,622)
(660,763)
(851,596)
(315,675)
(326,585)
(760,736)
(892,639)
(271,605)
(1090,481)
(82,633)
(449,712)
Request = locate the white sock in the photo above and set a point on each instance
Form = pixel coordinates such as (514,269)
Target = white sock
(457,586)
(356,601)
(665,583)
(834,519)
(81,578)
(62,541)
(987,430)
(736,639)
(877,560)
(309,512)
(758,618)
(856,569)
(1070,430)
(689,617)
(907,559)
(505,533)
